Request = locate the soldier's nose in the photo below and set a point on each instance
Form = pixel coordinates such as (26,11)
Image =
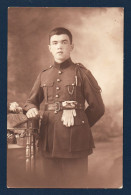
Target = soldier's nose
(59,45)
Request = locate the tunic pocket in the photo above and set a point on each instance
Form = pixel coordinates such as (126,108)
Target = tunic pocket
(73,88)
(48,89)
(70,89)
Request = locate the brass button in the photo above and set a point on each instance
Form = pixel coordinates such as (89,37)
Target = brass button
(83,121)
(57,88)
(58,80)
(73,84)
(55,112)
(59,72)
(57,96)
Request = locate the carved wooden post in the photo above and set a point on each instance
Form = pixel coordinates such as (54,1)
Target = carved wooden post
(32,152)
(28,151)
(19,122)
(32,125)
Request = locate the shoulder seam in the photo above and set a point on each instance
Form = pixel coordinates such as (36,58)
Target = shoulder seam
(81,66)
(47,68)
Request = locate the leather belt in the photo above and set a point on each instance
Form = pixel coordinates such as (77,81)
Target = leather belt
(57,106)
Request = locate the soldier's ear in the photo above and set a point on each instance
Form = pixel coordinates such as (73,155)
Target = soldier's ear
(49,48)
(72,46)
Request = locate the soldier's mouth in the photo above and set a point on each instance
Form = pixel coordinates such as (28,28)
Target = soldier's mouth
(59,52)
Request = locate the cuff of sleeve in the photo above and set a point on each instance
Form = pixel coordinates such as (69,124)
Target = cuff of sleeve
(27,107)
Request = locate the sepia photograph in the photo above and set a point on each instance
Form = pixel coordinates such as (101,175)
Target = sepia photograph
(65,97)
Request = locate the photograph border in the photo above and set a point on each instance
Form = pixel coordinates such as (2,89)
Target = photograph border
(3,88)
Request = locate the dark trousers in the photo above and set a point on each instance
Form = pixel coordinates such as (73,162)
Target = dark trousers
(65,173)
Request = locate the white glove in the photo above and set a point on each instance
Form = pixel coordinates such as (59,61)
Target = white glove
(68,117)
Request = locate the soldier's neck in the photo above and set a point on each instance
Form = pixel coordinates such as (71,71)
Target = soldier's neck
(61,61)
(64,64)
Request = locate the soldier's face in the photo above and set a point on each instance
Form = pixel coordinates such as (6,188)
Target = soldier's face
(60,47)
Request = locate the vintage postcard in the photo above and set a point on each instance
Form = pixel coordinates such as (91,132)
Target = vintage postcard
(65,97)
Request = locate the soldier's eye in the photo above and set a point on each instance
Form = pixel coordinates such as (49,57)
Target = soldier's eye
(54,43)
(65,42)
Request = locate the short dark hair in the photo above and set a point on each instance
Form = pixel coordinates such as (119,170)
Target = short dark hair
(59,31)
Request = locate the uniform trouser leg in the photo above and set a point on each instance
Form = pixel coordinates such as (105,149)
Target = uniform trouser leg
(65,173)
(75,172)
(51,172)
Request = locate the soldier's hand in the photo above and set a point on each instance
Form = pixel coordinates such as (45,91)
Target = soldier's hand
(32,113)
(68,117)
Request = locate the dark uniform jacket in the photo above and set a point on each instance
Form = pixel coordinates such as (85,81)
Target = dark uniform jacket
(67,82)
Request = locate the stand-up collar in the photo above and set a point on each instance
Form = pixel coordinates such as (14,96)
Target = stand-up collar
(63,65)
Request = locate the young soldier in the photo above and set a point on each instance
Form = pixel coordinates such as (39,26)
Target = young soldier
(65,137)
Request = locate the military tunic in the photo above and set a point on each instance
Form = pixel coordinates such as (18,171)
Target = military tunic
(66,82)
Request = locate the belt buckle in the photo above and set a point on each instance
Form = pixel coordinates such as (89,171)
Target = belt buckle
(57,106)
(69,104)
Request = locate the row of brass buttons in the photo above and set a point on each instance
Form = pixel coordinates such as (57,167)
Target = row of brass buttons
(57,88)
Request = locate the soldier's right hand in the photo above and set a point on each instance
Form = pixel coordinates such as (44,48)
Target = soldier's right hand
(32,113)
